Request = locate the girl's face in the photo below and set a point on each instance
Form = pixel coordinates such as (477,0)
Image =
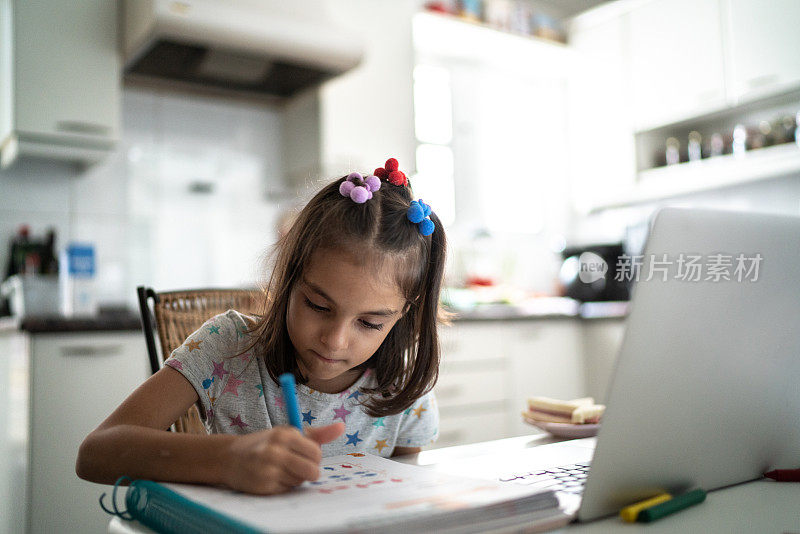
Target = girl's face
(339,313)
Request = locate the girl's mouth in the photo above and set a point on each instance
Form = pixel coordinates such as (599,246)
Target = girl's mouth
(324,359)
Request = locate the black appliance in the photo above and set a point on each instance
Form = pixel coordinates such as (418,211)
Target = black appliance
(581,277)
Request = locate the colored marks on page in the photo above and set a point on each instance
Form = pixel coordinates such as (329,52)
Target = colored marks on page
(340,477)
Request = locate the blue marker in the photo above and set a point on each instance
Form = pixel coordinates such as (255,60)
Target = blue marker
(290,398)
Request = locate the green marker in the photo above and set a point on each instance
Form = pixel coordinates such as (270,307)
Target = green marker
(671,506)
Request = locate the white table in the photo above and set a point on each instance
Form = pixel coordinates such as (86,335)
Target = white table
(760,506)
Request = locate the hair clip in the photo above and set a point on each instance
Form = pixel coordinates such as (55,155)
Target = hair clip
(419,213)
(390,172)
(358,188)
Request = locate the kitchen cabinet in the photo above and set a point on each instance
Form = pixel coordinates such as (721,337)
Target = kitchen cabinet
(473,387)
(359,119)
(77,379)
(653,69)
(66,79)
(763,41)
(490,368)
(14,416)
(676,60)
(546,360)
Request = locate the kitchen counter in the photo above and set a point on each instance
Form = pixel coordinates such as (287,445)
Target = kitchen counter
(484,312)
(545,311)
(59,324)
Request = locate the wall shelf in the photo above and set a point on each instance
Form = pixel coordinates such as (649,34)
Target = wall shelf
(708,174)
(451,37)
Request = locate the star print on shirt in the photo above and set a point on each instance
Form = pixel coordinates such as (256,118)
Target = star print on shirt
(353,439)
(260,388)
(355,395)
(237,421)
(219,370)
(175,364)
(418,411)
(380,444)
(307,417)
(341,413)
(214,329)
(232,386)
(192,345)
(378,422)
(407,412)
(278,400)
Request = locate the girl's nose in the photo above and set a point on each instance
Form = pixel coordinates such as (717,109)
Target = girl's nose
(334,337)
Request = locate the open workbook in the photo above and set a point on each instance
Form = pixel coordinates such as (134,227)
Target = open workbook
(355,493)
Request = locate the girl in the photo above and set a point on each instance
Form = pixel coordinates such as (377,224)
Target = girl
(352,310)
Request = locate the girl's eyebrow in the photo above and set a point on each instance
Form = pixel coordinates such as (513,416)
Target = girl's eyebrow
(386,312)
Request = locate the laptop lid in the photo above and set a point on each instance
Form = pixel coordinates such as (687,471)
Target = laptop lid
(705,390)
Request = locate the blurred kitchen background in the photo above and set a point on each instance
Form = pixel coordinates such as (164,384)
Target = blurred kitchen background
(164,143)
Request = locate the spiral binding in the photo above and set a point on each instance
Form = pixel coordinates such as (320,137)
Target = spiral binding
(124,514)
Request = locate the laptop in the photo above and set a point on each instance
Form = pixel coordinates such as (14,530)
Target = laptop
(704,392)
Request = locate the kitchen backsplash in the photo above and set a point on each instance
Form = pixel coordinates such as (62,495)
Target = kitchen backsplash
(182,201)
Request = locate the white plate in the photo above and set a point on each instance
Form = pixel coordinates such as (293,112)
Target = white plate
(566,430)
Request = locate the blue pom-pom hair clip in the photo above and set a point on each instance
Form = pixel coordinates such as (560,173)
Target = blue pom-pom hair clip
(419,214)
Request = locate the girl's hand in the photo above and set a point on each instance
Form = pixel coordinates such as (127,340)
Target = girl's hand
(273,461)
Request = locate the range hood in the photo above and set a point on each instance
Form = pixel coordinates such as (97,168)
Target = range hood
(273,48)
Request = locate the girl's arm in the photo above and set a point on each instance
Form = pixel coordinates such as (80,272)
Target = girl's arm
(132,441)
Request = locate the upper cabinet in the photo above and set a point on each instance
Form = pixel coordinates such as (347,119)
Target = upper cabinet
(657,74)
(763,43)
(676,60)
(689,58)
(65,91)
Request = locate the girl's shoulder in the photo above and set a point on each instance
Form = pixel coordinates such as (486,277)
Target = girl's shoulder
(231,322)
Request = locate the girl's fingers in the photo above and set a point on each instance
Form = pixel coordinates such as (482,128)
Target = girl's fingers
(302,446)
(301,467)
(324,434)
(289,480)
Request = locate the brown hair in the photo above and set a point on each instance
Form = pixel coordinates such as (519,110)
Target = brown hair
(406,365)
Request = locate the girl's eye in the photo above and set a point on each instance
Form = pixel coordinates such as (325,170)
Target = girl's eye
(315,307)
(373,326)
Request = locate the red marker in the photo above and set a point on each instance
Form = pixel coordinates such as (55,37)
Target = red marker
(784,475)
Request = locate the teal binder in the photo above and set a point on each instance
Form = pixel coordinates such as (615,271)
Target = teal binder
(163,510)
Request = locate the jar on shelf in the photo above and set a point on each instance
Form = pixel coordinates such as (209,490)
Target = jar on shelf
(784,128)
(695,146)
(715,145)
(673,151)
(739,140)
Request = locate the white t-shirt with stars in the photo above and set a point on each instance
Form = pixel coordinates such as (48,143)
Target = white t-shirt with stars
(238,396)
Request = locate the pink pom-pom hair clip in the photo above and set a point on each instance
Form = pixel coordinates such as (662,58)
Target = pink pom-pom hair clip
(358,188)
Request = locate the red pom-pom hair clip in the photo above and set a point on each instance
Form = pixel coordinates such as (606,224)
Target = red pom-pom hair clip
(391,172)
